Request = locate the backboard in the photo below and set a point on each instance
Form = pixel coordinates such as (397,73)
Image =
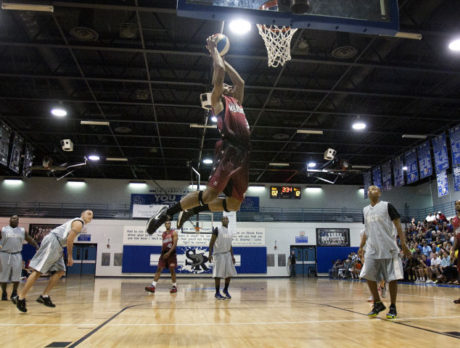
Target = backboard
(378,17)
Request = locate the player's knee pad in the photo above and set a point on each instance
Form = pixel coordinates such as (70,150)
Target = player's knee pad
(200,198)
(224,203)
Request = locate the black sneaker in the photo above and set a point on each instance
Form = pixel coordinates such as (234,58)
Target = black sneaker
(13,294)
(5,296)
(392,314)
(183,217)
(156,221)
(20,304)
(46,301)
(378,307)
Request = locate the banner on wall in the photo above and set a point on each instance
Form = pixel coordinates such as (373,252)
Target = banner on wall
(386,176)
(456,175)
(136,235)
(250,204)
(145,211)
(333,237)
(410,158)
(367,182)
(28,160)
(377,176)
(443,186)
(5,135)
(16,153)
(424,160)
(455,145)
(398,171)
(441,159)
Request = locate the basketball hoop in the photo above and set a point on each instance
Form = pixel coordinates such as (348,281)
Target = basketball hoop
(277,39)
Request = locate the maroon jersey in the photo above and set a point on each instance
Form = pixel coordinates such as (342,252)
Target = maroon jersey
(232,123)
(168,241)
(456,224)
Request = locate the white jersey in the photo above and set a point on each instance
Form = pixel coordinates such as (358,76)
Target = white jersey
(223,242)
(62,232)
(380,231)
(12,239)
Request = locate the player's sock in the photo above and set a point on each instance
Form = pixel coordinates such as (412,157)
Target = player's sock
(200,208)
(226,287)
(154,283)
(217,289)
(174,209)
(174,284)
(45,296)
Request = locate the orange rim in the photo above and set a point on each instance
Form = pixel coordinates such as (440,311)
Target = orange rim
(284,29)
(265,7)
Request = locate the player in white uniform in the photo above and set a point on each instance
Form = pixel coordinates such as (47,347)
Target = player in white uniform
(382,221)
(50,258)
(11,239)
(221,251)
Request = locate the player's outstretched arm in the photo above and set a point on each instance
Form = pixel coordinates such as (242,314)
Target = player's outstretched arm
(218,75)
(237,81)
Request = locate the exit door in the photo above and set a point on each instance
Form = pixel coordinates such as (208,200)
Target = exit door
(84,259)
(305,260)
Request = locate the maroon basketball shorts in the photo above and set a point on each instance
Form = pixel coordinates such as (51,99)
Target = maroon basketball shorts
(171,261)
(230,173)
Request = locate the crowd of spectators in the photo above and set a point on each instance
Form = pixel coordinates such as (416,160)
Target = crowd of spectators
(430,243)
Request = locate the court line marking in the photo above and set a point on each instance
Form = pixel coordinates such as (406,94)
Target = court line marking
(395,321)
(224,324)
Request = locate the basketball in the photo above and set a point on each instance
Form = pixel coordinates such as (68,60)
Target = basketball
(223,44)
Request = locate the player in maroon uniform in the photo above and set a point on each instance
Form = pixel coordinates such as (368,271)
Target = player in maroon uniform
(230,172)
(456,226)
(167,258)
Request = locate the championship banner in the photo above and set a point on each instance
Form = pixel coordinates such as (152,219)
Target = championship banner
(16,152)
(145,211)
(424,160)
(443,186)
(367,182)
(456,175)
(386,176)
(398,171)
(28,160)
(377,176)
(136,235)
(410,158)
(441,159)
(455,145)
(5,135)
(333,237)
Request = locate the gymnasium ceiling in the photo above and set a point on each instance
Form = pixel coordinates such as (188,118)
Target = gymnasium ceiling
(142,68)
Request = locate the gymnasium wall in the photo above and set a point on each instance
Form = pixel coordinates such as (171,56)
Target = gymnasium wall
(105,191)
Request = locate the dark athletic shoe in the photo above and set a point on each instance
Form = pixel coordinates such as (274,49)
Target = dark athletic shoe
(378,307)
(13,294)
(157,220)
(227,295)
(20,304)
(183,217)
(218,296)
(46,301)
(392,314)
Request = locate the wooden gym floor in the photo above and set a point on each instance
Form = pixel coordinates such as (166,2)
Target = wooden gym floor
(105,312)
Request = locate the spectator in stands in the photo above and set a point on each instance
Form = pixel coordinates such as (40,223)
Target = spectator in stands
(426,249)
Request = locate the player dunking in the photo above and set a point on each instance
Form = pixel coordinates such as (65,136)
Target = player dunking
(230,171)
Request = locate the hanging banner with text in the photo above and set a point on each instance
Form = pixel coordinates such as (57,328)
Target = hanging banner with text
(441,159)
(377,176)
(333,237)
(367,182)
(410,158)
(443,186)
(398,171)
(456,175)
(424,160)
(386,176)
(5,135)
(455,145)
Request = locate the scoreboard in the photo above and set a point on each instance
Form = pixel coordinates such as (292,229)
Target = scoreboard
(285,192)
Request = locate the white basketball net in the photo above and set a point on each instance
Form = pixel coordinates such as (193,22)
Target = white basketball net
(278,43)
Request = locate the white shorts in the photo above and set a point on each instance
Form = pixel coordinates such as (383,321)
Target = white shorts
(223,266)
(49,257)
(10,267)
(382,269)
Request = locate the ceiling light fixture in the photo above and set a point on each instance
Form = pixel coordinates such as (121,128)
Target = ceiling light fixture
(207,161)
(239,26)
(454,45)
(94,158)
(37,6)
(196,125)
(278,164)
(13,182)
(95,123)
(310,131)
(357,166)
(414,136)
(404,168)
(137,184)
(358,124)
(116,159)
(59,111)
(214,119)
(311,164)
